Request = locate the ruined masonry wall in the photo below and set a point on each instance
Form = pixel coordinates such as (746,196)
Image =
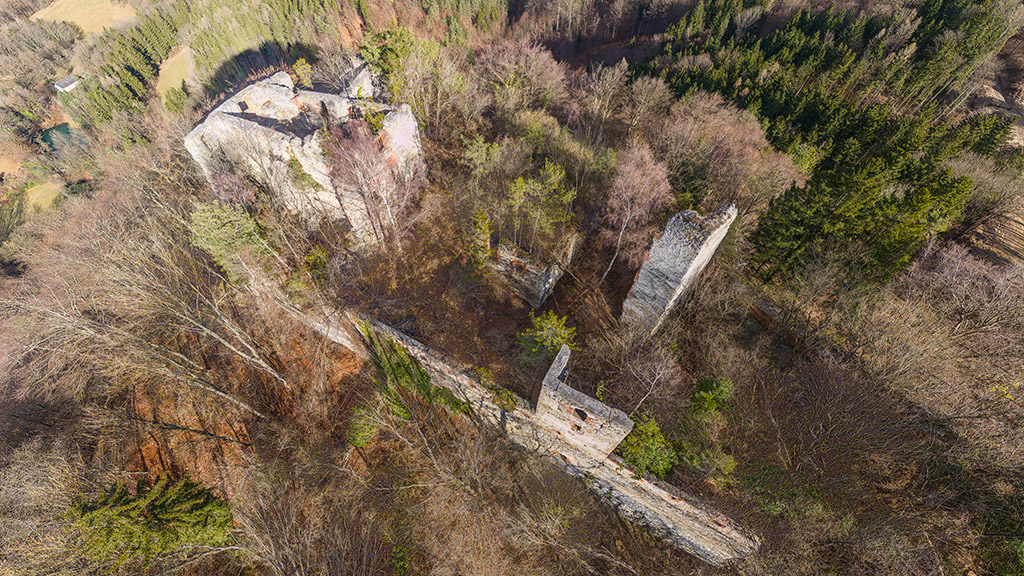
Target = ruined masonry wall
(673,265)
(580,421)
(660,508)
(262,127)
(532,282)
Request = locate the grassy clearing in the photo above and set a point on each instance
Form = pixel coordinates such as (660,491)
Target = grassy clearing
(9,164)
(92,16)
(42,196)
(180,67)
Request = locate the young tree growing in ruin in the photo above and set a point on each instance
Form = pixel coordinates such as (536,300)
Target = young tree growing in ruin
(640,189)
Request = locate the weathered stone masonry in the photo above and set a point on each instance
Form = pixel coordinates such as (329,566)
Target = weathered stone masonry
(675,261)
(271,131)
(578,433)
(531,281)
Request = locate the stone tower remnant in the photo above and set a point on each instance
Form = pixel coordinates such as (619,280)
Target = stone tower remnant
(270,131)
(673,265)
(579,420)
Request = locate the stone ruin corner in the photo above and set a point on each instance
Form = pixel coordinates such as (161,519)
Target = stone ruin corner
(531,280)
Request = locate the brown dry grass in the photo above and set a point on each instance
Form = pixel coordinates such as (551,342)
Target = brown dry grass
(92,16)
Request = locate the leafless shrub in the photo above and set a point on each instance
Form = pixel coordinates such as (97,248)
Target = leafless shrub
(233,188)
(600,94)
(125,297)
(522,75)
(366,178)
(648,100)
(444,90)
(950,334)
(37,483)
(719,155)
(639,192)
(294,529)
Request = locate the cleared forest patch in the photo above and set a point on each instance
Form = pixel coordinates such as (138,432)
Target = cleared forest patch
(178,68)
(92,16)
(1001,237)
(42,196)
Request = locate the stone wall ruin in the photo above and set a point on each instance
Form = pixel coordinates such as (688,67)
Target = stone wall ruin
(673,265)
(580,444)
(531,281)
(270,131)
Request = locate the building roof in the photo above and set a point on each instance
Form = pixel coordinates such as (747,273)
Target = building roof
(66,82)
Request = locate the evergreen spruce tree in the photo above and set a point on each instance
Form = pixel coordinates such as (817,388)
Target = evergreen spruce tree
(120,526)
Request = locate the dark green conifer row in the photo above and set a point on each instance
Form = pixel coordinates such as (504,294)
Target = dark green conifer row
(864,103)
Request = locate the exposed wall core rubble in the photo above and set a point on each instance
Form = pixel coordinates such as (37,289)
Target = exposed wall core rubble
(673,265)
(531,280)
(271,131)
(578,433)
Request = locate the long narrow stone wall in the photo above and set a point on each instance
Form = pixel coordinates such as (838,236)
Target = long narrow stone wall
(579,443)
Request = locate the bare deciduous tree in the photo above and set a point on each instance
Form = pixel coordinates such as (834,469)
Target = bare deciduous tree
(522,75)
(639,190)
(719,155)
(365,177)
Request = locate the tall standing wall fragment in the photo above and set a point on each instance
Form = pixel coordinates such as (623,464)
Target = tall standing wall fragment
(673,265)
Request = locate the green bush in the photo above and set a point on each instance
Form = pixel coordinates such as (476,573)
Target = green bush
(707,458)
(502,397)
(478,242)
(403,371)
(300,176)
(303,72)
(710,395)
(362,426)
(175,100)
(646,451)
(374,120)
(547,335)
(317,259)
(120,526)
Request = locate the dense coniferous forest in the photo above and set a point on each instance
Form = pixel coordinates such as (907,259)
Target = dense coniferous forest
(844,381)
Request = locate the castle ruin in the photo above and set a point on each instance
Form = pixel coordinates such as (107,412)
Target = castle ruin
(673,265)
(271,131)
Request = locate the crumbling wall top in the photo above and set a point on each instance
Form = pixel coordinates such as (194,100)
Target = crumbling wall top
(583,422)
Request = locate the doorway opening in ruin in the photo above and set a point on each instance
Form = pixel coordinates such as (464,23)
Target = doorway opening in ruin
(582,415)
